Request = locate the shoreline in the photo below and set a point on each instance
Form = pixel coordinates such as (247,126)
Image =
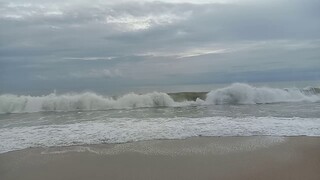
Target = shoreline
(152,140)
(255,157)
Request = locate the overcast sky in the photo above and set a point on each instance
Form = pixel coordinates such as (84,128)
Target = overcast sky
(81,44)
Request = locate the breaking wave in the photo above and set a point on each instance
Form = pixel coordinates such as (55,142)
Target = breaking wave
(233,94)
(245,94)
(85,101)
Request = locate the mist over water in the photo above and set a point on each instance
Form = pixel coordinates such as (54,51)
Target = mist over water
(90,118)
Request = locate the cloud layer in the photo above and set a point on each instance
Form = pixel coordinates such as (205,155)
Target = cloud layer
(162,42)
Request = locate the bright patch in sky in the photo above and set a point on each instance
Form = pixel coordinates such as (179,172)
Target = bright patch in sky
(130,22)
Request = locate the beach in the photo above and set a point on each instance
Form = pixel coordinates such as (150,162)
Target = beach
(256,157)
(160,90)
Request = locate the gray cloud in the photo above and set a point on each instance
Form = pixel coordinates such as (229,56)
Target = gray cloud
(155,41)
(97,73)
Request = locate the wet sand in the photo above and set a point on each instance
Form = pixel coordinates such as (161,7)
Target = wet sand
(240,158)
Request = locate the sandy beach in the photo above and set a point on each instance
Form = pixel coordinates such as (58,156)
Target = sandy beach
(194,158)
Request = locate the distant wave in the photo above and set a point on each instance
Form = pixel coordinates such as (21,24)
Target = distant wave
(233,94)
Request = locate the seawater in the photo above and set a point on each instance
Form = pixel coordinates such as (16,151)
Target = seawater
(90,118)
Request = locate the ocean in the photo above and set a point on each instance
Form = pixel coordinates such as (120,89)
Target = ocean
(91,118)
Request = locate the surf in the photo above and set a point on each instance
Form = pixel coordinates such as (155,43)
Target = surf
(239,93)
(235,94)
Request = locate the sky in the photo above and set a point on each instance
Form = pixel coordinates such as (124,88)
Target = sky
(80,45)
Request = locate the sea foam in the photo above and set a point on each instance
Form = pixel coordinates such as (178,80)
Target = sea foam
(233,94)
(121,130)
(86,101)
(245,94)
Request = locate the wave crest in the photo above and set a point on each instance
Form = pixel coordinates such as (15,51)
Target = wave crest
(85,101)
(245,94)
(234,94)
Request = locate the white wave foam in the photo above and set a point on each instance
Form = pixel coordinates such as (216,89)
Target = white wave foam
(119,130)
(234,94)
(245,94)
(85,101)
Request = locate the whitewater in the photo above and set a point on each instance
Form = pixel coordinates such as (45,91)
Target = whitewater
(89,118)
(234,94)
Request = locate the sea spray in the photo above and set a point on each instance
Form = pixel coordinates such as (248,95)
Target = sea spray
(234,94)
(85,101)
(245,94)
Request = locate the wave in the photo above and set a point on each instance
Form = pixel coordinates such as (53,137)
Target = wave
(121,130)
(188,96)
(245,94)
(86,101)
(233,94)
